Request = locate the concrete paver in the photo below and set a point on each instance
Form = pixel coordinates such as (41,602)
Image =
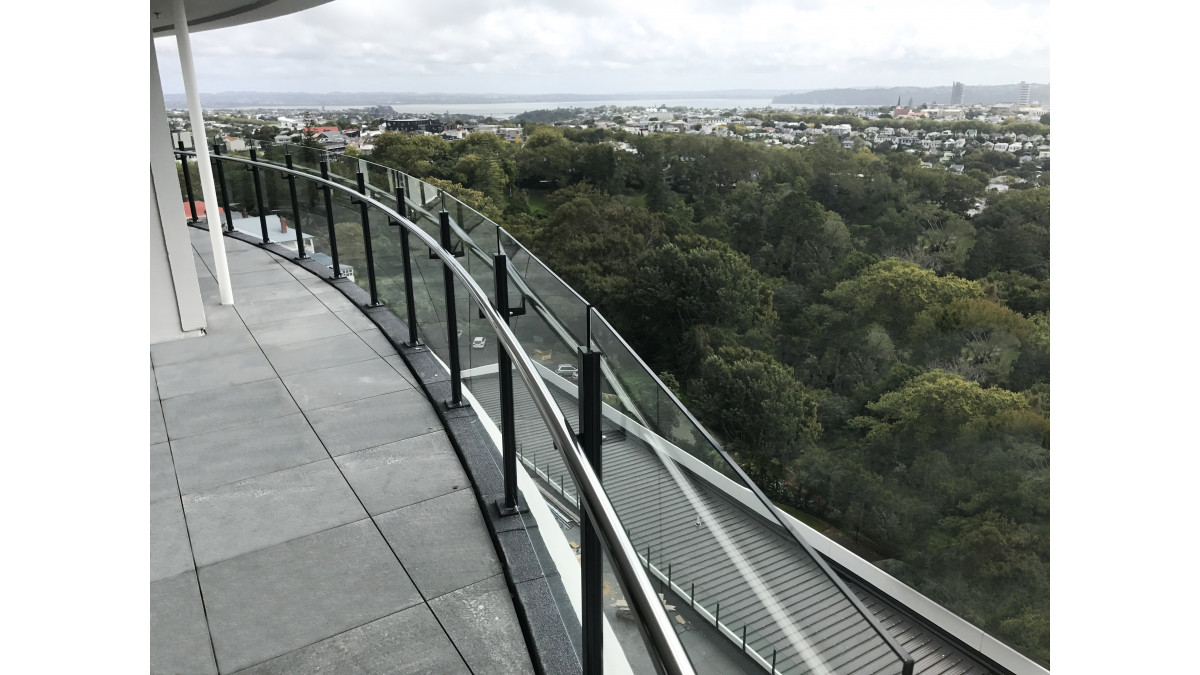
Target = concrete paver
(214,459)
(398,474)
(286,597)
(179,641)
(286,444)
(409,641)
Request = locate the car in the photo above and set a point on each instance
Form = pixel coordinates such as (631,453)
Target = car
(568,371)
(479,342)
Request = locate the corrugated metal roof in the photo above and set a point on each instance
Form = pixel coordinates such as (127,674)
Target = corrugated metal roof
(656,513)
(814,627)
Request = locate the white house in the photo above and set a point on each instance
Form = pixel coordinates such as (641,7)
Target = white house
(289,123)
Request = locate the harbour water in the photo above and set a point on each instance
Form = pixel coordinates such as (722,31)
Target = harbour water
(509,109)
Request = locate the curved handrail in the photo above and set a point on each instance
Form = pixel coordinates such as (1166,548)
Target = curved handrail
(600,510)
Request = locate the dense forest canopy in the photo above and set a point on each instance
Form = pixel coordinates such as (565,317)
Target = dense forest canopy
(868,337)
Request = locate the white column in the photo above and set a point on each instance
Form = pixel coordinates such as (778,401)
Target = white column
(200,140)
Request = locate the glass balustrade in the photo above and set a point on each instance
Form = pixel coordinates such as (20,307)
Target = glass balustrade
(746,593)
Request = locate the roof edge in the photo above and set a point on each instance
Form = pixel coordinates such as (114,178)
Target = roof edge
(969,636)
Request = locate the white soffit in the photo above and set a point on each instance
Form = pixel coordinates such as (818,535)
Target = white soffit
(210,14)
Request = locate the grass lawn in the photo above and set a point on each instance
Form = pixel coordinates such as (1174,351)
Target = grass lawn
(809,520)
(537,201)
(635,199)
(858,547)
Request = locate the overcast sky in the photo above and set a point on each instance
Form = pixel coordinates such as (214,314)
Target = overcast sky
(610,46)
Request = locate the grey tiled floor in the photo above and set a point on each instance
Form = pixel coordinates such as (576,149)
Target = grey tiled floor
(307,510)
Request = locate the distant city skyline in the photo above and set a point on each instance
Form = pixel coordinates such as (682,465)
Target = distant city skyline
(590,47)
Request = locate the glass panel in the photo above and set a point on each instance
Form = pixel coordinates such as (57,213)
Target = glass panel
(560,306)
(697,524)
(431,305)
(625,640)
(314,222)
(718,552)
(241,188)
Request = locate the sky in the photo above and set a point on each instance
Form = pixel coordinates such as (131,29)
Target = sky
(613,46)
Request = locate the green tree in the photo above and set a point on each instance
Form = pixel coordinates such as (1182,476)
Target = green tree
(546,157)
(595,242)
(692,296)
(1022,292)
(765,416)
(1013,233)
(475,199)
(937,407)
(419,155)
(482,173)
(892,292)
(973,337)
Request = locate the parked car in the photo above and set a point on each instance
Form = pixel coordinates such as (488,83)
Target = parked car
(568,371)
(479,342)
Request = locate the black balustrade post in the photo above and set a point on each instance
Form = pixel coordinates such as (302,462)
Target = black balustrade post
(717,620)
(451,318)
(774,651)
(410,304)
(187,183)
(228,224)
(743,638)
(692,595)
(258,198)
(337,268)
(364,210)
(590,416)
(508,427)
(291,179)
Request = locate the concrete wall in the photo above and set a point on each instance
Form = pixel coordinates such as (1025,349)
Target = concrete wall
(176,307)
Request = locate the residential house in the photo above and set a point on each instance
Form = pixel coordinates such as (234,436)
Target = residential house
(414,125)
(332,141)
(289,123)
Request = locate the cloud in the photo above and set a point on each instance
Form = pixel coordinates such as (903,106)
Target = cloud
(591,46)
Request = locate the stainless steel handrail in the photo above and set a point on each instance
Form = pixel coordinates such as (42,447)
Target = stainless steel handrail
(600,510)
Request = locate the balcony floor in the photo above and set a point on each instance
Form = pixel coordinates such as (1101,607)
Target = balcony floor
(308,512)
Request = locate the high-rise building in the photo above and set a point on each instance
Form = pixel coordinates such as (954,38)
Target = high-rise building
(956,94)
(1023,99)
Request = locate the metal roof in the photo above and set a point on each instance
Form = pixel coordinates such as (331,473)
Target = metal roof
(657,514)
